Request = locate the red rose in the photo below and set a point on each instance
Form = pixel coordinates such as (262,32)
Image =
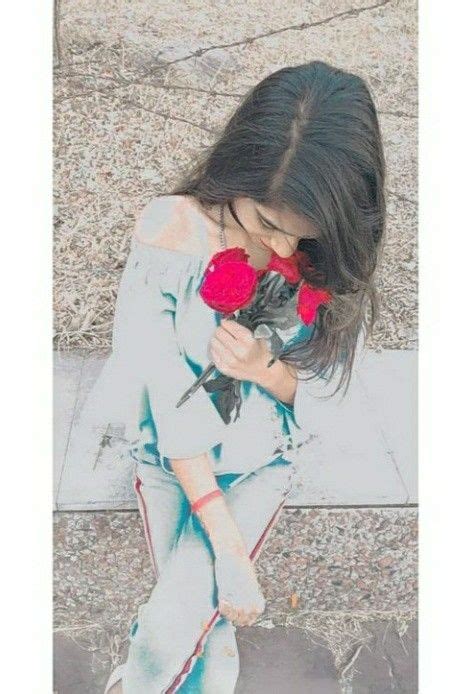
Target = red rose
(235,254)
(229,285)
(309,298)
(288,267)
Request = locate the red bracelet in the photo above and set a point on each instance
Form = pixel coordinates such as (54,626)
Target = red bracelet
(196,506)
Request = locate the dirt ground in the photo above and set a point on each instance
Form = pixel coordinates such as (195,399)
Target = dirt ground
(142,87)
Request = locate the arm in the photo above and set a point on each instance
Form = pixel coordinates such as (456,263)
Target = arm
(239,596)
(197,479)
(280,380)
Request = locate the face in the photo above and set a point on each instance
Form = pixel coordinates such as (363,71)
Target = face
(278,230)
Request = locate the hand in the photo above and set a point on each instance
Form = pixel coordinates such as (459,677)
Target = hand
(237,353)
(239,596)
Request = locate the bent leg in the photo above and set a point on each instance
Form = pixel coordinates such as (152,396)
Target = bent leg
(216,670)
(164,511)
(175,626)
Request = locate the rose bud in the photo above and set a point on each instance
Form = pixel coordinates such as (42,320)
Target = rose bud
(288,267)
(309,299)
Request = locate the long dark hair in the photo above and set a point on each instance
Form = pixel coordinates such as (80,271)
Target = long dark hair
(308,138)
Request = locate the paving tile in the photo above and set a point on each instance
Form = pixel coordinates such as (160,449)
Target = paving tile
(94,475)
(348,462)
(280,660)
(276,661)
(272,661)
(390,379)
(74,671)
(389,663)
(363,452)
(67,369)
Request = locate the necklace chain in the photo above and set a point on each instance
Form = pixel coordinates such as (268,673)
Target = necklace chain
(223,243)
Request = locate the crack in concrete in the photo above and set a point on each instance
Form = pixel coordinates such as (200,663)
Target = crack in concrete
(133,104)
(162,114)
(123,82)
(399,114)
(57,33)
(401,197)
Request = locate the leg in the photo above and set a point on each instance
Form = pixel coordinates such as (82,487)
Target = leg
(216,671)
(164,509)
(175,625)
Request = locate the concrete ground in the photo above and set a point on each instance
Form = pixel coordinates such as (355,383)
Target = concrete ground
(362,453)
(340,586)
(143,87)
(276,661)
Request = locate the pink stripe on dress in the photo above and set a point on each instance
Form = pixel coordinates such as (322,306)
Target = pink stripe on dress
(187,667)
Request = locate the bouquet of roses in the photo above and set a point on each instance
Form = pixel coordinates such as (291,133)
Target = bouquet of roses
(266,301)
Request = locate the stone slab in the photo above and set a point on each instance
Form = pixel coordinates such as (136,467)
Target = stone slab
(363,453)
(390,380)
(274,661)
(67,372)
(346,560)
(388,663)
(349,461)
(94,477)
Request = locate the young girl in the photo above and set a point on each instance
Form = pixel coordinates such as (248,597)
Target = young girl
(299,166)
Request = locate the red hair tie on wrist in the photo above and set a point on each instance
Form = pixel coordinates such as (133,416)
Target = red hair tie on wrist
(196,506)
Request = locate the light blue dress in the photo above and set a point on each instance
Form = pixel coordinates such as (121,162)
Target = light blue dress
(162,329)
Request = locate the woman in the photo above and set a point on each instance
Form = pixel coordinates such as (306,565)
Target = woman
(299,166)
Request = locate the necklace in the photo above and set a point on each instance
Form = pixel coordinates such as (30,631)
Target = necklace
(223,243)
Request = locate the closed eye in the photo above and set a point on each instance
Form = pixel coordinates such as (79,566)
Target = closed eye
(267,225)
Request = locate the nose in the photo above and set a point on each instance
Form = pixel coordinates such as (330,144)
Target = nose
(283,245)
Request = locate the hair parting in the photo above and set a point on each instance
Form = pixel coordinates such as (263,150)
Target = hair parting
(307,138)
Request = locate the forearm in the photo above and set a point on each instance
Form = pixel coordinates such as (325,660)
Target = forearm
(196,478)
(280,379)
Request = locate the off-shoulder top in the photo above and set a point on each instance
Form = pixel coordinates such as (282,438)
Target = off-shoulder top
(161,334)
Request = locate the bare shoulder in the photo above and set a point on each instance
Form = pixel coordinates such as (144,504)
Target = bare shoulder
(171,222)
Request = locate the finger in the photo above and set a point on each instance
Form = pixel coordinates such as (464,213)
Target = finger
(234,616)
(237,614)
(226,610)
(247,619)
(221,357)
(238,331)
(235,346)
(253,615)
(240,616)
(253,619)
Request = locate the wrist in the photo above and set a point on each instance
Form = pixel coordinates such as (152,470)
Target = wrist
(267,375)
(221,529)
(231,545)
(270,377)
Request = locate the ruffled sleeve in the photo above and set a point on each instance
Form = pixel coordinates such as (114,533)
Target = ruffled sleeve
(147,361)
